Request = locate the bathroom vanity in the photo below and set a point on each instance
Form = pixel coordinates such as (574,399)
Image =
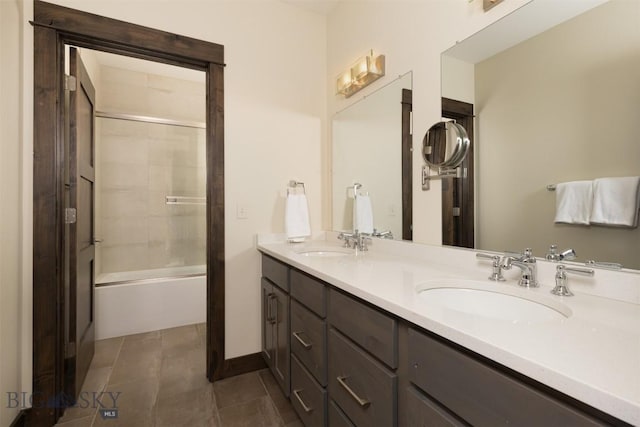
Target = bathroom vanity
(355,339)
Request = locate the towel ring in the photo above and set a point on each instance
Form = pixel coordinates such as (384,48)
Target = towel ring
(353,187)
(293,184)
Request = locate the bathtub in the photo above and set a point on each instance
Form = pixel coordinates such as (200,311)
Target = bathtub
(148,300)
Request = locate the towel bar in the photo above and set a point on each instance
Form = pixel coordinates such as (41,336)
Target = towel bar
(355,187)
(185,200)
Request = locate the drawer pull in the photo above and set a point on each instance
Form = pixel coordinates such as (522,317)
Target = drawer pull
(273,314)
(362,402)
(306,408)
(305,344)
(268,304)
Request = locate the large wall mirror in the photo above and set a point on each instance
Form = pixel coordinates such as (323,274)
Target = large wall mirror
(556,91)
(369,140)
(556,95)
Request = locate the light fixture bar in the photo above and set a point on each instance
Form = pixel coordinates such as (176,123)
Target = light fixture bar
(362,73)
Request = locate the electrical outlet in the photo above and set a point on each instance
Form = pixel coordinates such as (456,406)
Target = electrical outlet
(242,212)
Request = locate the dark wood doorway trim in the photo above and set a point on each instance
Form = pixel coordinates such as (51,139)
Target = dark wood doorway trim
(407,165)
(55,26)
(459,230)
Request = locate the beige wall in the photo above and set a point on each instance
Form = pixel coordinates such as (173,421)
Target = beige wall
(15,234)
(563,111)
(458,79)
(10,212)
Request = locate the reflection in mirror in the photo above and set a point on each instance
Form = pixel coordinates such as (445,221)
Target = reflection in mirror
(368,148)
(445,145)
(559,106)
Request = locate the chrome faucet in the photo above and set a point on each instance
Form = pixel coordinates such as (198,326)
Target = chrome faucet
(527,263)
(355,240)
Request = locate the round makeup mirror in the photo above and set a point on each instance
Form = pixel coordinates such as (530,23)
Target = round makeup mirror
(445,145)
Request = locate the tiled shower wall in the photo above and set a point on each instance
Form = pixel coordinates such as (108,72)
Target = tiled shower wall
(139,164)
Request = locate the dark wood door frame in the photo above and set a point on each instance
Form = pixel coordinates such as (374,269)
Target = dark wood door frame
(55,26)
(407,165)
(463,225)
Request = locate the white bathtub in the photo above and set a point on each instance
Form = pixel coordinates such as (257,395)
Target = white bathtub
(131,302)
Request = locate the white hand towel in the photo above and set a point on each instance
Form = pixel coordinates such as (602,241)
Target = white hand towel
(363,215)
(616,201)
(296,217)
(573,202)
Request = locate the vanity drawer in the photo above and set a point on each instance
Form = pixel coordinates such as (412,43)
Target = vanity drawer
(276,271)
(375,331)
(309,341)
(423,412)
(337,418)
(310,292)
(480,394)
(307,397)
(361,386)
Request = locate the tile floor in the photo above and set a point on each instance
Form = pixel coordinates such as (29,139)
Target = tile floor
(161,378)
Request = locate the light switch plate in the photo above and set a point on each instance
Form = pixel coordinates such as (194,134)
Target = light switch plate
(242,212)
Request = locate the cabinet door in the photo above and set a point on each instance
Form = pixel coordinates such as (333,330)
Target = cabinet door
(281,338)
(267,322)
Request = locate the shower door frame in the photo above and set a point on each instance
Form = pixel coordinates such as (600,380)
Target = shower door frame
(55,26)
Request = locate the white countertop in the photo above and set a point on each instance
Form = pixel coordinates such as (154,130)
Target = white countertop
(593,355)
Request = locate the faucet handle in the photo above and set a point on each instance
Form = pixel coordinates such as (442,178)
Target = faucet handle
(554,255)
(561,287)
(346,237)
(496,274)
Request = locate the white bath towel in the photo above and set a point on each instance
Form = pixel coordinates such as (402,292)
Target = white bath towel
(363,214)
(616,201)
(296,217)
(573,202)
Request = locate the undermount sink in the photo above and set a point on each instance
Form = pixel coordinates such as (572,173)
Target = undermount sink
(505,304)
(326,252)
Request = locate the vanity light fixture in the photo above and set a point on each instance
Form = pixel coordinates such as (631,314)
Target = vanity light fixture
(488,4)
(363,72)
